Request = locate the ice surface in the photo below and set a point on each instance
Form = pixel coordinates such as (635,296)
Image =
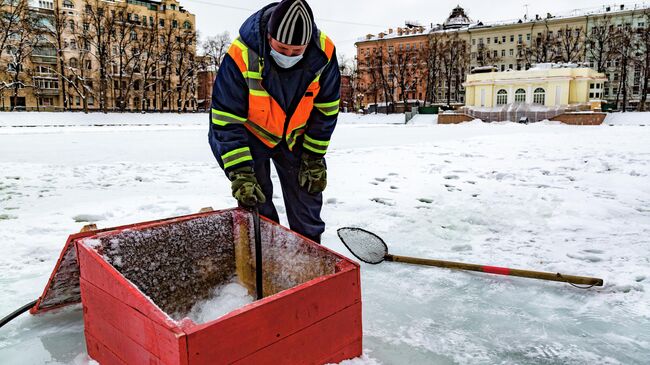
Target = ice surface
(542,197)
(225,299)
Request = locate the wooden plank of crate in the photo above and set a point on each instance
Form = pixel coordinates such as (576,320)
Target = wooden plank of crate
(315,344)
(160,341)
(100,353)
(250,329)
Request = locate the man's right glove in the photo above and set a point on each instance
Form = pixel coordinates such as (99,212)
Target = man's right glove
(245,187)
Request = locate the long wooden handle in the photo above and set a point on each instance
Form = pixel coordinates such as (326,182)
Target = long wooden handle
(581,280)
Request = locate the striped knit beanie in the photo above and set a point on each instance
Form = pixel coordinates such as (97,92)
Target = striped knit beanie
(291,22)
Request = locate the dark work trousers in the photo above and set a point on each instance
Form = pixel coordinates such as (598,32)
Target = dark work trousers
(303,208)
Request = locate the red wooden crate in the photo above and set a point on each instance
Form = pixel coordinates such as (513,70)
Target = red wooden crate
(134,279)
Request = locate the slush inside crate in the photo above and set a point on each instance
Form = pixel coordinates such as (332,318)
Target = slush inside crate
(204,267)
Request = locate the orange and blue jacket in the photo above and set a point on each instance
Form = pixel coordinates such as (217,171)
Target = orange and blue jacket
(249,99)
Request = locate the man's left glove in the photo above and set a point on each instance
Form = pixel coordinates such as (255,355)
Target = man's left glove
(245,187)
(313,173)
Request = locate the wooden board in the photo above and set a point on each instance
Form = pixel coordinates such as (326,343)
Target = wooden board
(244,332)
(161,342)
(101,353)
(337,334)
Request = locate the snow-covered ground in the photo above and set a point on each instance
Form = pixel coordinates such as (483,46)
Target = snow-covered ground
(544,197)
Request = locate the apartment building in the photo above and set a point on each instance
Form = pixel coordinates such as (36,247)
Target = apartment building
(505,45)
(122,55)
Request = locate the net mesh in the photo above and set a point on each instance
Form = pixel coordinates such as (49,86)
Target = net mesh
(364,245)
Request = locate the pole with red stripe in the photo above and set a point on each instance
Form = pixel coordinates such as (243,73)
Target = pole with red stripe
(571,279)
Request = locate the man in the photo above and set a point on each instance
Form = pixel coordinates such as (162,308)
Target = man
(276,98)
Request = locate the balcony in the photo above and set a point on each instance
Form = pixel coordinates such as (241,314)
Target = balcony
(46,59)
(48,92)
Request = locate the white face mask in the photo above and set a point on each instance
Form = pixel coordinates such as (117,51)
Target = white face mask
(285,61)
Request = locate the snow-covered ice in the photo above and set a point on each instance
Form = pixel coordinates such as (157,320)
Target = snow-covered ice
(544,197)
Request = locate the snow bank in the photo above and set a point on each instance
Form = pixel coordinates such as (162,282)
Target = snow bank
(629,118)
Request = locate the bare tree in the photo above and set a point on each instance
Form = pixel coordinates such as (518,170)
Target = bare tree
(56,37)
(168,42)
(405,68)
(454,61)
(125,52)
(370,69)
(148,64)
(543,48)
(570,44)
(387,61)
(10,12)
(100,22)
(486,56)
(599,42)
(643,56)
(624,58)
(215,48)
(186,68)
(432,56)
(23,39)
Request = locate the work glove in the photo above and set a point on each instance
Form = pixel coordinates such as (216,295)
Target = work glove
(245,187)
(313,173)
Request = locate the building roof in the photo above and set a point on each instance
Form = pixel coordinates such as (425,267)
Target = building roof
(459,21)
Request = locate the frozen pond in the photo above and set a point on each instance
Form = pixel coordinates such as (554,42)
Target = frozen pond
(541,197)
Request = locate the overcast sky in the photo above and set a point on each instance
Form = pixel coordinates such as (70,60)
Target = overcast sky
(336,17)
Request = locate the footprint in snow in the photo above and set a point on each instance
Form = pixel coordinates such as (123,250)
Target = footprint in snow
(380,179)
(331,201)
(452,177)
(461,248)
(383,201)
(586,258)
(425,200)
(594,251)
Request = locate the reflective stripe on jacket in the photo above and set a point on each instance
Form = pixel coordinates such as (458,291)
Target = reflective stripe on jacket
(244,97)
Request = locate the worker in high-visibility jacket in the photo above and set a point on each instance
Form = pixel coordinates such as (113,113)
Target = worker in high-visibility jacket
(276,98)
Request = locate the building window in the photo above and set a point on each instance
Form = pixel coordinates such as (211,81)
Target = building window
(539,96)
(187,25)
(68,4)
(512,38)
(502,97)
(520,96)
(503,53)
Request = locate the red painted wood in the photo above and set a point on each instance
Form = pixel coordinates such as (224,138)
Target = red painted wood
(312,345)
(115,341)
(496,270)
(160,341)
(241,333)
(100,353)
(98,272)
(355,349)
